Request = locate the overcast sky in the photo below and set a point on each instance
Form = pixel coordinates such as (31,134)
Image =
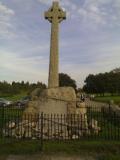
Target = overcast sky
(89,39)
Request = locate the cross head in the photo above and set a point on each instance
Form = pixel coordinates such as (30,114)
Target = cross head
(55,13)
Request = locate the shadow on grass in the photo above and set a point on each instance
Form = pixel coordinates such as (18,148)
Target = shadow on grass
(21,148)
(100,150)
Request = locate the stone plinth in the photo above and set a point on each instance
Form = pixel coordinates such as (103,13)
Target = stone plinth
(53,101)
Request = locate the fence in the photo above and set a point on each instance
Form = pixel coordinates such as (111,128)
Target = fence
(96,123)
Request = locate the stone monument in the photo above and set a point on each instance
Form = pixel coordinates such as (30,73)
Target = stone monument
(55,15)
(54,100)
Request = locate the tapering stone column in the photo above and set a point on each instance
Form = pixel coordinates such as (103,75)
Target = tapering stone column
(54,15)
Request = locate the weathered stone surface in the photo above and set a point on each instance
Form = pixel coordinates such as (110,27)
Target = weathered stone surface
(54,101)
(11,125)
(19,131)
(54,15)
(71,107)
(36,93)
(81,104)
(93,125)
(28,132)
(7,132)
(61,93)
(32,109)
(81,108)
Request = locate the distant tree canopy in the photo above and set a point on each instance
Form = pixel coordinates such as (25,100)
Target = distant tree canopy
(7,89)
(116,70)
(108,82)
(66,80)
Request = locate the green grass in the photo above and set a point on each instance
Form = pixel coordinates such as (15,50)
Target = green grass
(107,99)
(15,97)
(20,147)
(110,127)
(100,150)
(78,147)
(108,157)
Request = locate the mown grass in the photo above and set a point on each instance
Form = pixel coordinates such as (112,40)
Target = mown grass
(107,99)
(100,150)
(68,147)
(82,146)
(19,147)
(15,97)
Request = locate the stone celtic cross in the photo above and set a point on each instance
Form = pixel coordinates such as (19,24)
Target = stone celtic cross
(54,15)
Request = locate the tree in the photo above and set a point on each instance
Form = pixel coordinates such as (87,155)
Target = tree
(108,82)
(116,70)
(7,89)
(90,86)
(66,80)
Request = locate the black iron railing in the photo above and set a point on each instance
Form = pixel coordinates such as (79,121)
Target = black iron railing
(94,124)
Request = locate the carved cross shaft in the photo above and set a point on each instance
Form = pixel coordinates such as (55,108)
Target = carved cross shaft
(54,15)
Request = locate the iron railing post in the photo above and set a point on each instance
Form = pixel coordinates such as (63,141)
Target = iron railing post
(2,121)
(41,130)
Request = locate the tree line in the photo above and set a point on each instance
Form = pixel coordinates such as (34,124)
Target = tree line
(9,89)
(102,83)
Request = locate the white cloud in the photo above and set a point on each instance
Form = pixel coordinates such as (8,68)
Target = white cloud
(66,4)
(46,2)
(101,12)
(97,12)
(4,10)
(22,68)
(5,21)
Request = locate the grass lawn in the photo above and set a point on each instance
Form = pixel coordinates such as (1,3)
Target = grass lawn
(15,97)
(101,150)
(19,147)
(107,99)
